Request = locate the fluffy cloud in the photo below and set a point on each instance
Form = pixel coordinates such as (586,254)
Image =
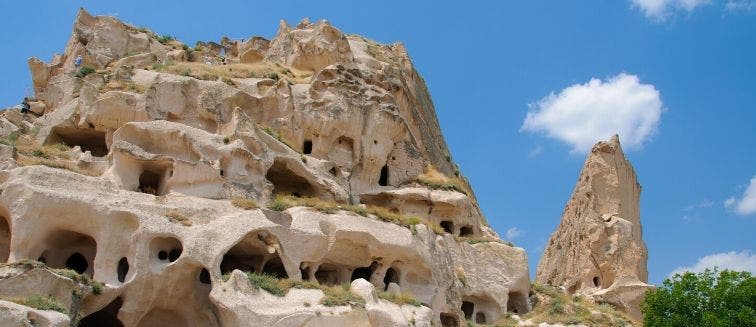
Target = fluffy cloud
(662,9)
(739,261)
(746,205)
(513,233)
(583,114)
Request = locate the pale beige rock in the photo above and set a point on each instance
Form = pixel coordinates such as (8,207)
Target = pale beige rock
(15,315)
(167,153)
(598,249)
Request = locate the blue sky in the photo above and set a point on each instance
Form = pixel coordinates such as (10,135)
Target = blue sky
(488,65)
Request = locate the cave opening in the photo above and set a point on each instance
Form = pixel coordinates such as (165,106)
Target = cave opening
(122,269)
(87,139)
(107,316)
(468,308)
(392,276)
(448,226)
(465,231)
(307,147)
(286,181)
(383,179)
(71,250)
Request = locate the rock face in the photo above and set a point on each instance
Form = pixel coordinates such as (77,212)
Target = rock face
(598,249)
(176,176)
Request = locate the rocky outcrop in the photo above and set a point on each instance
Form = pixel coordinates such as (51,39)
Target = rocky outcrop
(598,249)
(176,176)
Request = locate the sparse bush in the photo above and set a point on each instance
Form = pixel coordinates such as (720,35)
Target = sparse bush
(244,203)
(273,76)
(42,302)
(228,81)
(400,299)
(278,204)
(434,179)
(186,72)
(84,71)
(283,202)
(165,39)
(334,295)
(10,139)
(80,278)
(266,282)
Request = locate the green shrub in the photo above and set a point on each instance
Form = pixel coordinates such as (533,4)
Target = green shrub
(226,140)
(266,282)
(165,38)
(710,298)
(273,76)
(84,71)
(10,139)
(335,296)
(42,302)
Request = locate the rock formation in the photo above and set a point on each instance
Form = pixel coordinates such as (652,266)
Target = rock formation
(240,183)
(598,249)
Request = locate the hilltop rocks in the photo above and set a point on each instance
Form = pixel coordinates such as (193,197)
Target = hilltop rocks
(598,249)
(175,176)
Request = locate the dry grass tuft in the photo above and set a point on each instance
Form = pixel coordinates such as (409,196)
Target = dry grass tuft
(283,202)
(40,302)
(434,179)
(234,70)
(334,295)
(177,217)
(244,203)
(400,299)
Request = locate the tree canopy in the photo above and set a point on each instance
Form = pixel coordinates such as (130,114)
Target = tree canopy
(710,298)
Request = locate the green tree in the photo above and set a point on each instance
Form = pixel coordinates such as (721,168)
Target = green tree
(710,298)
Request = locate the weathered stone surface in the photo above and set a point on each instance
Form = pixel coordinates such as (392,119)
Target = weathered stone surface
(140,197)
(12,314)
(598,249)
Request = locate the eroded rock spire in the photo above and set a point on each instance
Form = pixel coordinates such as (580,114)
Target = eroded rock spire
(598,249)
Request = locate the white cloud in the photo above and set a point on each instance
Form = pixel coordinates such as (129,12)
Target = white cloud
(662,9)
(535,151)
(705,203)
(746,205)
(513,233)
(738,261)
(740,5)
(583,114)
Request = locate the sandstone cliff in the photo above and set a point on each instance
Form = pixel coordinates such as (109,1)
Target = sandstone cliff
(598,249)
(299,181)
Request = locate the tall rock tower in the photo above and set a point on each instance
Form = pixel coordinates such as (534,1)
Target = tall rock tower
(598,250)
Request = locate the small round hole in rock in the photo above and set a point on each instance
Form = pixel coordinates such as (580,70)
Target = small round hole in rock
(174,255)
(204,276)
